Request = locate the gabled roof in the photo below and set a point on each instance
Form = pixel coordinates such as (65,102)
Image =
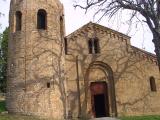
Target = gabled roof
(106,29)
(144,52)
(96,26)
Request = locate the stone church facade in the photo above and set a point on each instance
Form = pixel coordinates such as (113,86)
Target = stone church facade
(93,72)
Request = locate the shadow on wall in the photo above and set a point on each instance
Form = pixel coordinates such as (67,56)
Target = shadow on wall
(127,67)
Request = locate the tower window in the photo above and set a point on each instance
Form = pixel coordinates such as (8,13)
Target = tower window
(93,45)
(153,84)
(18,21)
(41,19)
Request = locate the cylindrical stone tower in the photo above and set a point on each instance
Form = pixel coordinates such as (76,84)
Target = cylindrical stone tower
(36,82)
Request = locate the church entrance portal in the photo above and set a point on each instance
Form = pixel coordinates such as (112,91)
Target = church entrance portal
(99,99)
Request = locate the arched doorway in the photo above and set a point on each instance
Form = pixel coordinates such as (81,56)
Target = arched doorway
(100,90)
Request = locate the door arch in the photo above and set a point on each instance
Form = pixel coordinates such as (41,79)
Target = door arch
(110,84)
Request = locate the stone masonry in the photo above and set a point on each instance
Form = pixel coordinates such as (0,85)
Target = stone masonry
(36,58)
(53,76)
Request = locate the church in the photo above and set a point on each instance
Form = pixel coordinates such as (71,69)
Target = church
(91,73)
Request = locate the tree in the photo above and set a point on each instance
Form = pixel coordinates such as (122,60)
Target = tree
(149,9)
(3,59)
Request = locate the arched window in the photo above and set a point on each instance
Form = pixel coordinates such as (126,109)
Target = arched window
(18,21)
(96,45)
(41,19)
(61,26)
(153,84)
(90,45)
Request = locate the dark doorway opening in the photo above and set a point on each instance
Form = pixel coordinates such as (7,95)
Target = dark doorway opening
(99,99)
(99,105)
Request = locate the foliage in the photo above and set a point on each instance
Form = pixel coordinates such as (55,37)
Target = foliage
(2,106)
(3,60)
(141,118)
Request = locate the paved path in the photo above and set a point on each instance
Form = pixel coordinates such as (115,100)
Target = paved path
(105,118)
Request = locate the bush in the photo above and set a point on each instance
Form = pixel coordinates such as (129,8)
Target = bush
(2,106)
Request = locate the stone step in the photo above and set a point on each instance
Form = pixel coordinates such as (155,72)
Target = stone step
(105,118)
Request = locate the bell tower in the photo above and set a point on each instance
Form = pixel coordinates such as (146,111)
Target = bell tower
(36,82)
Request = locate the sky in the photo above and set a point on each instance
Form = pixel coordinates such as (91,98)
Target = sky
(141,37)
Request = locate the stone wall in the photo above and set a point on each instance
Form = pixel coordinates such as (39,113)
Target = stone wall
(36,82)
(131,69)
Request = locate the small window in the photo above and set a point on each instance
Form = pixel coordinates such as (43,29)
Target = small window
(153,84)
(48,84)
(96,45)
(93,46)
(18,21)
(90,45)
(41,19)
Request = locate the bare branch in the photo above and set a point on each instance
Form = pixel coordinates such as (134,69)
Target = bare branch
(149,9)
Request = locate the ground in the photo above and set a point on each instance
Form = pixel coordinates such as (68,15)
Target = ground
(141,118)
(16,117)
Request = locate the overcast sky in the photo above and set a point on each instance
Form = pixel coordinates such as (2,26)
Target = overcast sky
(74,19)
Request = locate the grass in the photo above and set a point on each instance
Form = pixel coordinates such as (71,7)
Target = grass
(154,117)
(17,117)
(2,106)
